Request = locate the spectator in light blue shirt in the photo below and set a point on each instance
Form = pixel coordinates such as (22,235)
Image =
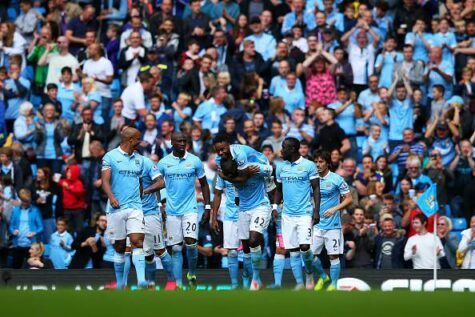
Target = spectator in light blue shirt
(25,227)
(386,61)
(66,91)
(445,40)
(279,81)
(419,40)
(208,115)
(374,145)
(60,245)
(298,16)
(334,17)
(370,95)
(297,128)
(400,110)
(439,72)
(264,43)
(291,94)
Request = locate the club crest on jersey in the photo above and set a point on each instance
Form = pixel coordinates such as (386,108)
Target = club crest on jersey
(188,164)
(300,168)
(137,162)
(154,167)
(328,185)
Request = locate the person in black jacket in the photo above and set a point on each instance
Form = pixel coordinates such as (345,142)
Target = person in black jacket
(90,245)
(10,172)
(389,246)
(132,58)
(248,61)
(196,26)
(83,134)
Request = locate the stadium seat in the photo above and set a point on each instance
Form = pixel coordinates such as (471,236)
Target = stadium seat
(448,211)
(459,224)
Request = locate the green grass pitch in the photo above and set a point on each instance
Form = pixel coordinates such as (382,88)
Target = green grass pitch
(234,303)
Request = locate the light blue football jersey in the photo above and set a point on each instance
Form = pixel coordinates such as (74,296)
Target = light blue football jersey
(60,257)
(231,210)
(296,186)
(180,175)
(332,186)
(149,174)
(252,193)
(126,172)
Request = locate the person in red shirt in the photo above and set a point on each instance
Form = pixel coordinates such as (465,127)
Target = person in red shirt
(74,198)
(410,211)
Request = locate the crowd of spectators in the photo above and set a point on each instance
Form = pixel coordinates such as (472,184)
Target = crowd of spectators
(387,87)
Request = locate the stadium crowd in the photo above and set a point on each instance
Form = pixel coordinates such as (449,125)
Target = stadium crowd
(387,87)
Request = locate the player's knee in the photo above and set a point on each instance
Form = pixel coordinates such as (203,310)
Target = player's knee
(177,248)
(150,257)
(232,253)
(160,252)
(335,258)
(280,251)
(120,246)
(136,240)
(304,247)
(190,241)
(255,239)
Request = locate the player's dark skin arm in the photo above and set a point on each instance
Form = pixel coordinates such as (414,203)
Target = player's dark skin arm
(156,186)
(206,197)
(278,195)
(243,175)
(105,177)
(215,209)
(315,183)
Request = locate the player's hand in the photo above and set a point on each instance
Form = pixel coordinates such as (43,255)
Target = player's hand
(414,249)
(275,215)
(215,226)
(62,244)
(164,216)
(205,217)
(329,212)
(253,169)
(16,232)
(315,218)
(30,235)
(114,202)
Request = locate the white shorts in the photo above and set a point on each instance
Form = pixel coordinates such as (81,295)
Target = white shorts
(296,231)
(253,220)
(153,234)
(124,222)
(331,239)
(179,227)
(230,235)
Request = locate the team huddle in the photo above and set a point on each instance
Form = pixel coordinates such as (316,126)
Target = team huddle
(305,202)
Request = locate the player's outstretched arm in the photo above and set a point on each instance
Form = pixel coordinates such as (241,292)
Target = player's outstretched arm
(106,177)
(315,183)
(157,184)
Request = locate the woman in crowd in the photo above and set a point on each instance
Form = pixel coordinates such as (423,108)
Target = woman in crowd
(36,259)
(88,96)
(241,30)
(24,126)
(449,241)
(26,226)
(11,43)
(466,248)
(320,85)
(382,168)
(49,135)
(45,195)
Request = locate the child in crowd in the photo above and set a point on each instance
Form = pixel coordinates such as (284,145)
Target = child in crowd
(374,145)
(182,110)
(298,40)
(438,104)
(74,202)
(60,245)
